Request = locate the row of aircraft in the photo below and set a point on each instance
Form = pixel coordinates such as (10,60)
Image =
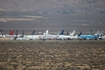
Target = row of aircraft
(46,36)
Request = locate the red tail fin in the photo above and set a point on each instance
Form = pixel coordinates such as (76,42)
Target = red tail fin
(12,32)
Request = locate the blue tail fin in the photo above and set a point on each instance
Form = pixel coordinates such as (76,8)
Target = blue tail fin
(33,32)
(62,32)
(79,33)
(2,32)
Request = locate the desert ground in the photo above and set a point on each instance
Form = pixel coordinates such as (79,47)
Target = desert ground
(52,55)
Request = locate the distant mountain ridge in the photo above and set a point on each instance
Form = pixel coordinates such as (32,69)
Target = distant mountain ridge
(2,9)
(32,5)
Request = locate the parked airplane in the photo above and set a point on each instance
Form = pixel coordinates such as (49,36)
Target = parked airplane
(67,33)
(21,37)
(73,36)
(65,37)
(88,37)
(10,34)
(62,33)
(33,37)
(33,33)
(97,33)
(13,36)
(98,36)
(73,33)
(52,37)
(101,33)
(1,34)
(103,37)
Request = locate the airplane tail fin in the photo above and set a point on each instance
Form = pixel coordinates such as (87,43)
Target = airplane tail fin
(101,33)
(80,33)
(47,32)
(67,33)
(90,32)
(9,31)
(97,33)
(33,32)
(14,38)
(73,33)
(62,32)
(23,33)
(1,32)
(16,32)
(12,32)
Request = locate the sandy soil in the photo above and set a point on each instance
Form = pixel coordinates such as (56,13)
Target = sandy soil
(4,39)
(52,55)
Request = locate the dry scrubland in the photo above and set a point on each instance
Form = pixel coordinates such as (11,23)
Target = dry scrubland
(52,55)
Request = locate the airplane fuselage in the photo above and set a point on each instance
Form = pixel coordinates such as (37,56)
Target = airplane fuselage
(65,37)
(88,37)
(2,35)
(34,37)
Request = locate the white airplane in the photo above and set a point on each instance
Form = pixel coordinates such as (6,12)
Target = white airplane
(100,35)
(65,37)
(13,36)
(97,33)
(52,37)
(34,37)
(73,33)
(21,37)
(2,36)
(103,37)
(73,36)
(28,37)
